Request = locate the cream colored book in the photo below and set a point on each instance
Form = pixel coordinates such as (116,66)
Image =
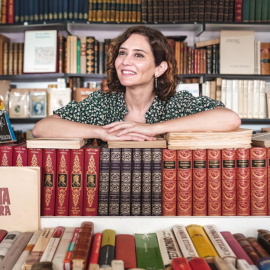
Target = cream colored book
(56,143)
(255,99)
(7,242)
(261,139)
(245,106)
(235,93)
(236,52)
(250,99)
(205,43)
(229,94)
(241,98)
(262,101)
(117,265)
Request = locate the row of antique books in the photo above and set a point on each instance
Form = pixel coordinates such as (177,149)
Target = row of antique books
(189,247)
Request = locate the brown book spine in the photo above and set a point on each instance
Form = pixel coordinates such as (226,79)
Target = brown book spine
(76,182)
(111,12)
(259,249)
(265,58)
(168,182)
(185,62)
(194,11)
(139,11)
(184,182)
(4,11)
(117,10)
(201,10)
(160,11)
(10,58)
(149,11)
(231,10)
(20,58)
(181,10)
(6,154)
(187,10)
(63,182)
(226,11)
(171,11)
(166,11)
(90,54)
(209,59)
(126,10)
(258,180)
(220,11)
(61,51)
(155,11)
(5,58)
(15,58)
(20,155)
(207,11)
(10,9)
(214,10)
(238,11)
(214,182)
(199,187)
(243,182)
(176,11)
(48,182)
(228,180)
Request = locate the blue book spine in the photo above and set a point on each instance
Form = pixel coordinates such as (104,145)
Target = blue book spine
(36,11)
(85,9)
(12,136)
(30,10)
(65,9)
(41,10)
(26,11)
(70,9)
(60,10)
(16,11)
(50,9)
(46,10)
(264,263)
(76,9)
(55,9)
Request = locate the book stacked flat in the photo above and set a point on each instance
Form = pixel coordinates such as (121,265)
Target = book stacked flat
(261,139)
(240,138)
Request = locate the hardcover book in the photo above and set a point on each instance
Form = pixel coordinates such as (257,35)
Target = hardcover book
(158,143)
(56,143)
(107,249)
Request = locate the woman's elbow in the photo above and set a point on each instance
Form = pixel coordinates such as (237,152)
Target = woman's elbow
(235,121)
(36,130)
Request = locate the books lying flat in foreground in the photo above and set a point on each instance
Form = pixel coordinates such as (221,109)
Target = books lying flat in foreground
(240,138)
(158,143)
(261,139)
(56,143)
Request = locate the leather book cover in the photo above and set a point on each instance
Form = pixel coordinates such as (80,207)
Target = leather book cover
(235,246)
(187,10)
(6,154)
(258,181)
(4,11)
(248,248)
(220,11)
(139,11)
(63,182)
(91,182)
(136,183)
(246,8)
(180,264)
(207,11)
(104,181)
(265,58)
(238,11)
(184,182)
(264,239)
(228,180)
(199,263)
(125,250)
(146,181)
(156,182)
(258,11)
(20,155)
(168,182)
(10,11)
(94,255)
(181,10)
(107,249)
(76,182)
(155,11)
(160,11)
(48,182)
(150,11)
(125,191)
(258,247)
(226,11)
(201,15)
(115,178)
(171,10)
(125,13)
(209,59)
(242,182)
(83,54)
(194,10)
(96,56)
(61,53)
(90,54)
(15,58)
(130,10)
(3,233)
(16,11)
(214,182)
(20,58)
(214,10)
(199,187)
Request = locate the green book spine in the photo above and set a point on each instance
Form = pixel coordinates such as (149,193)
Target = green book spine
(252,11)
(78,56)
(246,6)
(147,252)
(258,11)
(265,8)
(268,12)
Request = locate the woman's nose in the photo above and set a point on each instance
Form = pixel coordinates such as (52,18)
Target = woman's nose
(127,60)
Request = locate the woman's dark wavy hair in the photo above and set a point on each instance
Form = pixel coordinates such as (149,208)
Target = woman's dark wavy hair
(162,52)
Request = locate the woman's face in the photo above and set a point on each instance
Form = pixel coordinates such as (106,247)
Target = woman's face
(135,63)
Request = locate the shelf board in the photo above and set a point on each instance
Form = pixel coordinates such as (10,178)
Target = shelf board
(256,121)
(24,120)
(258,27)
(33,77)
(238,76)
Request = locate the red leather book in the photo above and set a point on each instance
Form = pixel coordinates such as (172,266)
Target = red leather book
(258,181)
(3,233)
(236,248)
(180,264)
(76,182)
(184,182)
(20,155)
(91,180)
(95,249)
(238,11)
(214,182)
(199,263)
(242,182)
(199,183)
(48,182)
(268,176)
(168,182)
(228,180)
(63,182)
(10,11)
(125,250)
(6,154)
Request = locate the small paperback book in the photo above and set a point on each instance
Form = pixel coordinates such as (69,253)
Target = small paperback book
(6,131)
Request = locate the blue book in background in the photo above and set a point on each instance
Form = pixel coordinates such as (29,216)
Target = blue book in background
(80,12)
(41,10)
(60,10)
(55,9)
(76,9)
(70,9)
(50,9)
(46,10)
(16,11)
(36,11)
(65,9)
(22,13)
(85,9)
(30,6)
(264,263)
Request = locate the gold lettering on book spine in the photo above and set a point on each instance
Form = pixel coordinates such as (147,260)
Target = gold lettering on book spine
(48,187)
(90,181)
(76,183)
(34,162)
(63,187)
(4,160)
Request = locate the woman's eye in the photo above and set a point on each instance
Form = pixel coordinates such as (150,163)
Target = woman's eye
(139,55)
(121,53)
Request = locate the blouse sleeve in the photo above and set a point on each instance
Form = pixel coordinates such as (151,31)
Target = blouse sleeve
(184,103)
(88,111)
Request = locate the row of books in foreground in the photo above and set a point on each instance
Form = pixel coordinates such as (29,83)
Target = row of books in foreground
(182,247)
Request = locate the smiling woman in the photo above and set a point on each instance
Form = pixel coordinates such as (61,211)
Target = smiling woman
(142,101)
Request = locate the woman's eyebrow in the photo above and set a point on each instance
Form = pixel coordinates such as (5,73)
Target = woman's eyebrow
(138,50)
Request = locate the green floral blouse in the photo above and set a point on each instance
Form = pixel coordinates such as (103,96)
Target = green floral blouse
(102,108)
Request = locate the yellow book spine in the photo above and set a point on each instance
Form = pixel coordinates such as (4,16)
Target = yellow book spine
(201,241)
(117,10)
(90,11)
(99,10)
(139,14)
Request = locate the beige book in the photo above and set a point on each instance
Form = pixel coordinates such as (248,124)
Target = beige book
(255,99)
(236,52)
(7,242)
(73,55)
(218,88)
(245,106)
(4,92)
(235,93)
(15,250)
(117,265)
(250,99)
(262,101)
(83,54)
(68,54)
(261,139)
(22,259)
(243,265)
(241,98)
(205,43)
(39,248)
(56,143)
(223,91)
(213,89)
(229,94)
(22,198)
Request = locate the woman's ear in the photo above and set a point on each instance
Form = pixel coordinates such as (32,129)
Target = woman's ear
(163,66)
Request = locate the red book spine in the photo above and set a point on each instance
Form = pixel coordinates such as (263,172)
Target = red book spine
(238,11)
(63,179)
(90,203)
(95,249)
(228,180)
(214,182)
(199,263)
(76,183)
(168,182)
(48,182)
(180,264)
(6,154)
(199,183)
(268,178)
(184,182)
(10,17)
(3,233)
(20,155)
(258,181)
(243,182)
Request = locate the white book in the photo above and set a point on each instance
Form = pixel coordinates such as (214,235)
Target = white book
(117,265)
(255,57)
(258,53)
(204,89)
(241,98)
(60,254)
(244,265)
(168,246)
(223,91)
(229,92)
(235,93)
(249,99)
(183,239)
(207,88)
(7,242)
(22,259)
(245,105)
(262,101)
(255,99)
(193,88)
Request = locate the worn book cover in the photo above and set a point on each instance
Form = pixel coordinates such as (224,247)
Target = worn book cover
(56,143)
